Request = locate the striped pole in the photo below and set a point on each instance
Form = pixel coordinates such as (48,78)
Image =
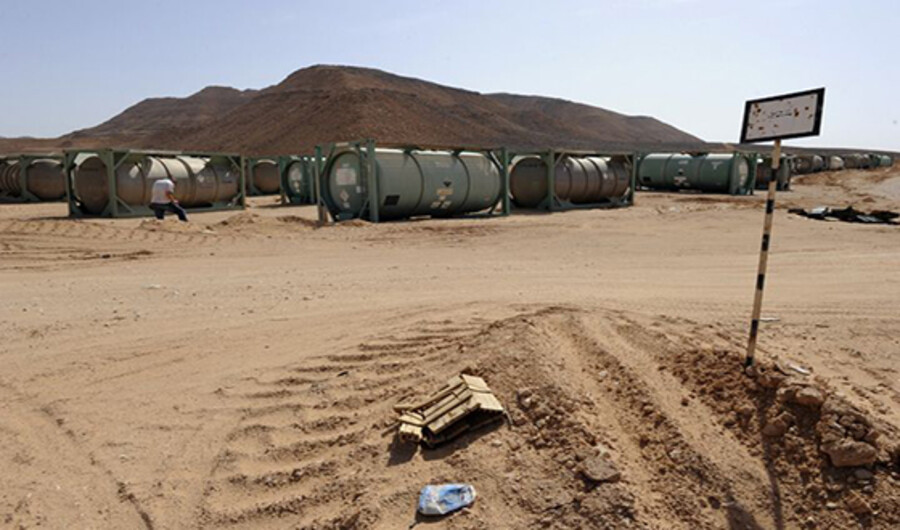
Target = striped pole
(317,185)
(763,254)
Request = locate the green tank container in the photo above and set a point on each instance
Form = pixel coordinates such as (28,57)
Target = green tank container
(119,183)
(885,161)
(709,173)
(297,179)
(410,183)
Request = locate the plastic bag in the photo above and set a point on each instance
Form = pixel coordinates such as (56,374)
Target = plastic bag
(445,498)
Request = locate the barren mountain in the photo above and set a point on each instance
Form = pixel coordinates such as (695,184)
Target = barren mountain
(157,115)
(594,122)
(335,103)
(330,103)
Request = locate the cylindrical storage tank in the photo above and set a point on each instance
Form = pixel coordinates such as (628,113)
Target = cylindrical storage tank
(264,176)
(528,181)
(412,183)
(577,179)
(298,181)
(818,163)
(864,162)
(9,178)
(885,161)
(764,169)
(784,176)
(835,163)
(712,173)
(46,179)
(619,179)
(851,161)
(198,182)
(803,164)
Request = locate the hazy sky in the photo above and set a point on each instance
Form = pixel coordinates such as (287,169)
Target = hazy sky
(69,64)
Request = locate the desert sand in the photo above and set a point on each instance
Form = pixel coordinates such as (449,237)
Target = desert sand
(240,371)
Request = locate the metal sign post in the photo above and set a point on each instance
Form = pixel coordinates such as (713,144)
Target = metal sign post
(776,118)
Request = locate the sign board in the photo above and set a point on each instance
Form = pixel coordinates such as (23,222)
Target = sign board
(787,116)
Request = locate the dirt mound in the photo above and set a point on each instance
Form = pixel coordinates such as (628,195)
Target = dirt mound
(171,225)
(250,223)
(874,189)
(616,421)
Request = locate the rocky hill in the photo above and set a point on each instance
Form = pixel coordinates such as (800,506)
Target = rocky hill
(335,103)
(329,103)
(162,115)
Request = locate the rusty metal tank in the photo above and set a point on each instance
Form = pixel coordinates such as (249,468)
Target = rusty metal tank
(44,178)
(264,177)
(198,182)
(808,163)
(802,165)
(577,179)
(9,177)
(764,169)
(865,161)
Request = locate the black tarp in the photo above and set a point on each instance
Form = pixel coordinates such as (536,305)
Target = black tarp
(848,215)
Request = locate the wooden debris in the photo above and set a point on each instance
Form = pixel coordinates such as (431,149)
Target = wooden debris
(465,403)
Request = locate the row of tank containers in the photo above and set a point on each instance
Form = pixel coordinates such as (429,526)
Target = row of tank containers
(360,180)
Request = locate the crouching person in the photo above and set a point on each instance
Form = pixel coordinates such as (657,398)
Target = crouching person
(162,200)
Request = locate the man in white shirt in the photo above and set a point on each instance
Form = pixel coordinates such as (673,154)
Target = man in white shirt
(162,200)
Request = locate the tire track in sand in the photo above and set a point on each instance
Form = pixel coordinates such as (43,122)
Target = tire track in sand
(81,494)
(301,426)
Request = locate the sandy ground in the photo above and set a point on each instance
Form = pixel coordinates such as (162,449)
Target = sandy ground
(239,371)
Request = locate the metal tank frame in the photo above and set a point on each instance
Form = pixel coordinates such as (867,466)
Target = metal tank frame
(784,165)
(113,158)
(250,163)
(287,195)
(879,160)
(751,157)
(365,149)
(553,157)
(25,160)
